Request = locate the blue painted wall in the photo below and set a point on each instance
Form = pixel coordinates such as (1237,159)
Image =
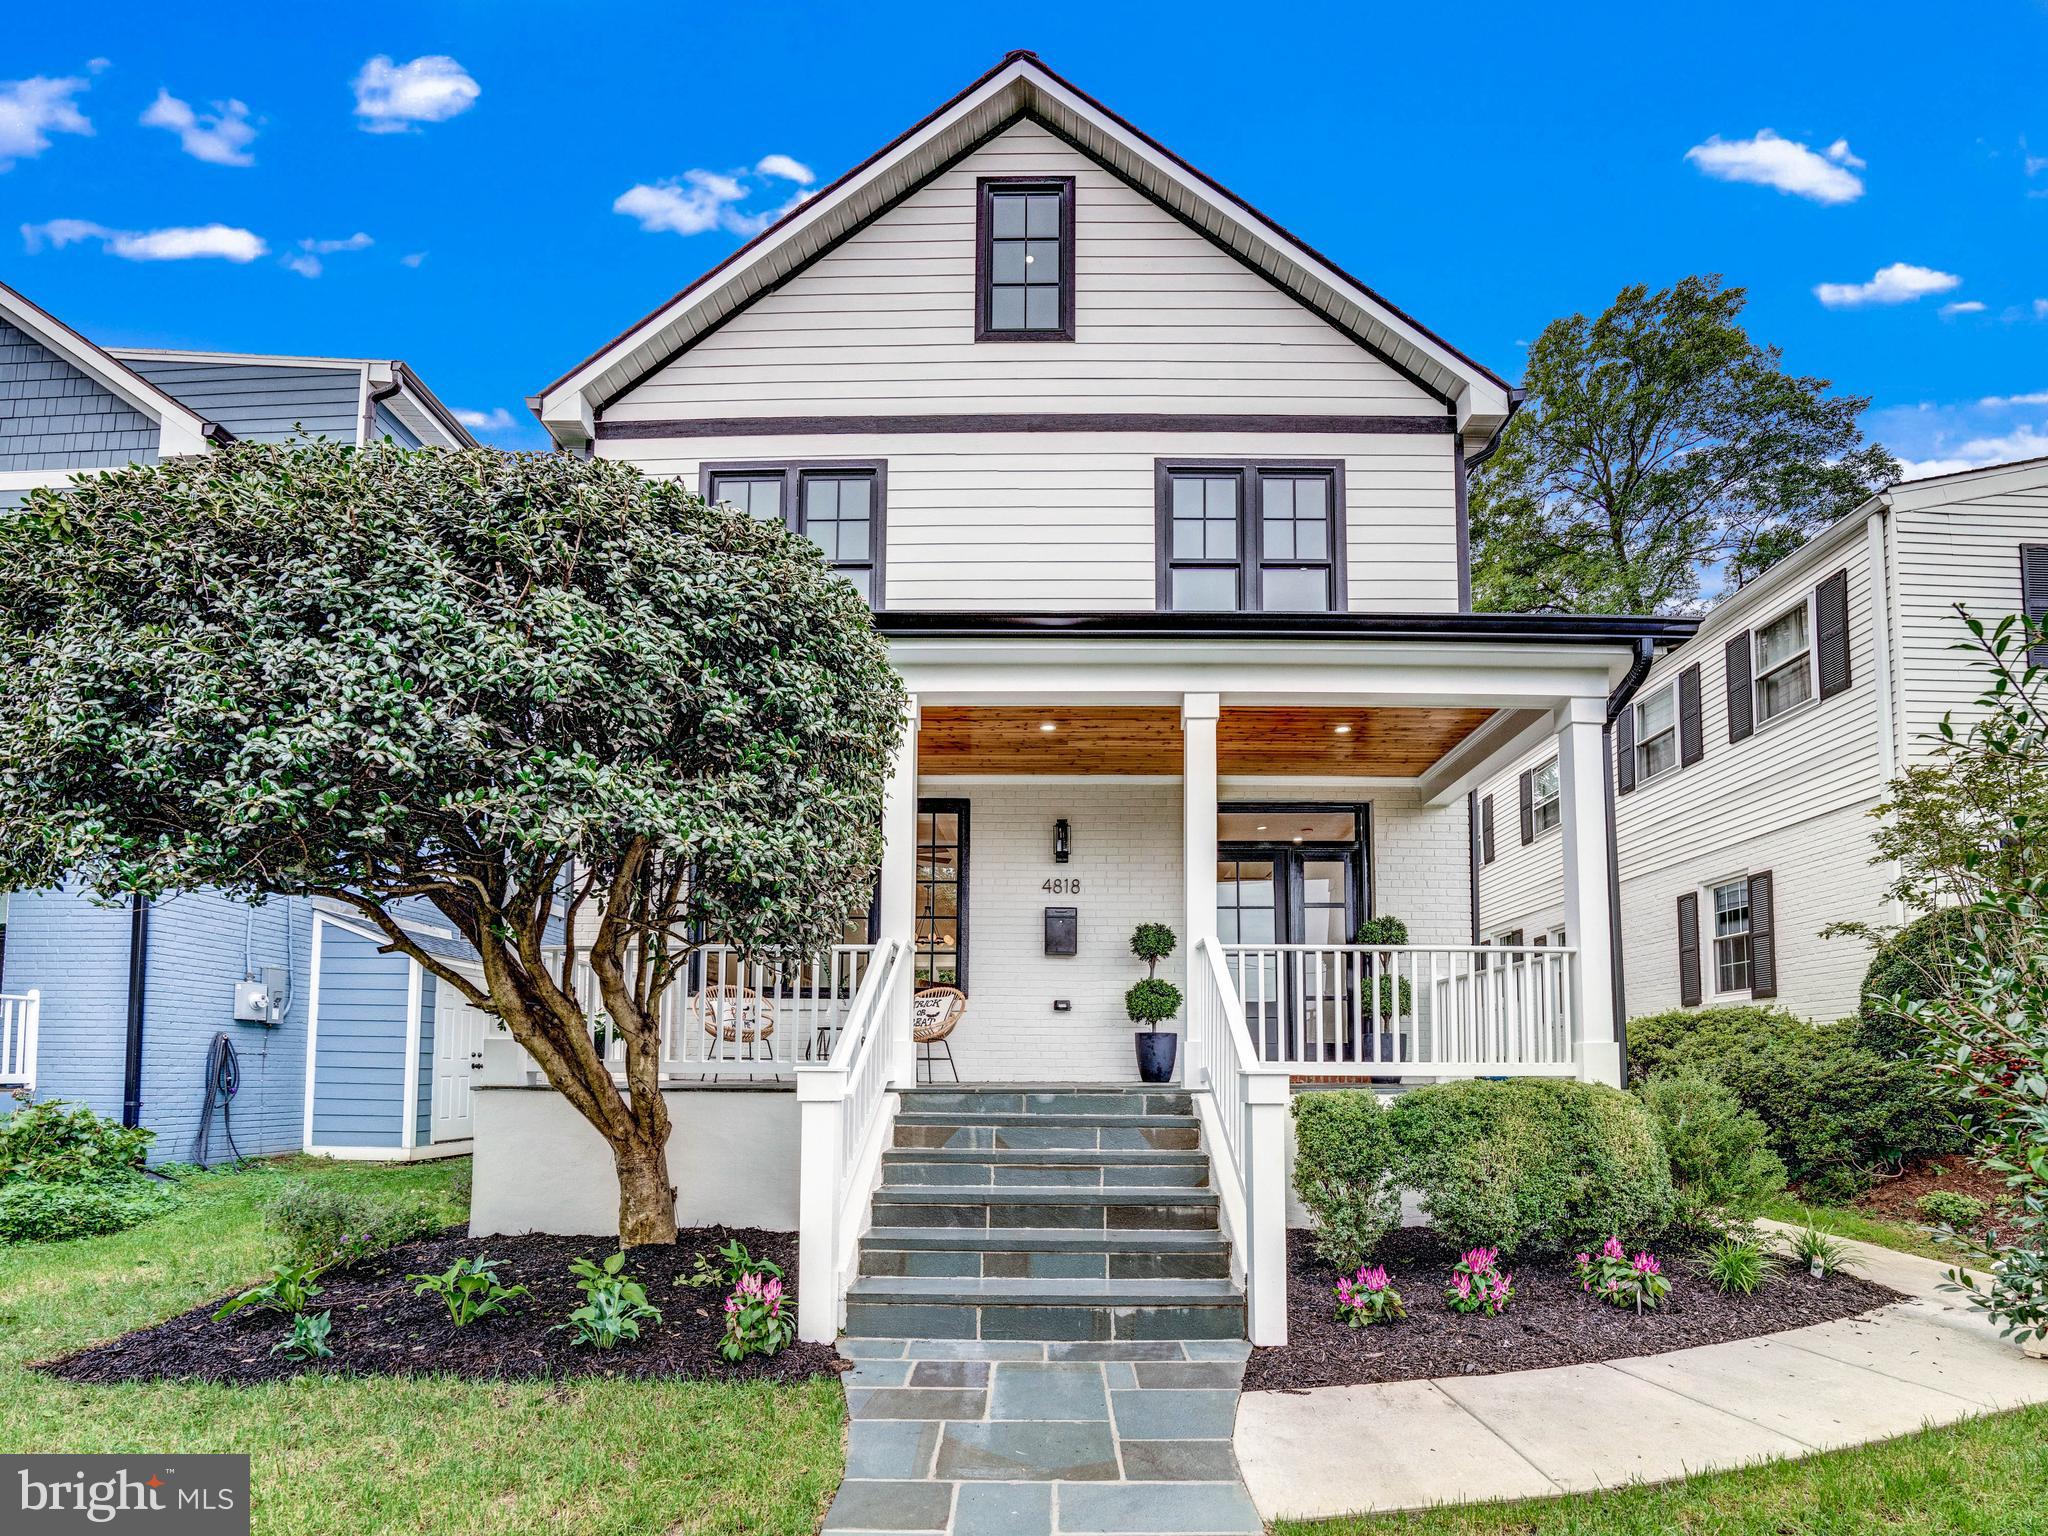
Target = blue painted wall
(359,1068)
(383,424)
(263,403)
(423,1107)
(52,416)
(75,952)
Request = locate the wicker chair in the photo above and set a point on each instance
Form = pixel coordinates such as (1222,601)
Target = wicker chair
(934,1013)
(734,1015)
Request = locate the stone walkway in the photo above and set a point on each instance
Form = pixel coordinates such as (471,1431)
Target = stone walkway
(982,1438)
(1531,1434)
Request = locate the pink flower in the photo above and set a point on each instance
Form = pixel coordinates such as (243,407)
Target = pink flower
(1374,1279)
(1613,1249)
(1646,1264)
(1585,1258)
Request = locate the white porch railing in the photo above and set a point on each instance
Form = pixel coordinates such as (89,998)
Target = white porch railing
(20,1013)
(731,1017)
(1243,1105)
(1464,1010)
(847,1108)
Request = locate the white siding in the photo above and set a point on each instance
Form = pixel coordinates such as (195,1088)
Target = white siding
(1964,551)
(1050,521)
(1165,320)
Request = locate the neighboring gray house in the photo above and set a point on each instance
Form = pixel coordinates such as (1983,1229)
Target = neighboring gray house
(131,1000)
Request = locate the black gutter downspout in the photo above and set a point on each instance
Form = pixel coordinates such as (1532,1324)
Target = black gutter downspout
(1472,853)
(138,971)
(1617,701)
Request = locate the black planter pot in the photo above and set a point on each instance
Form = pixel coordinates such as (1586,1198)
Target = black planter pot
(1155,1056)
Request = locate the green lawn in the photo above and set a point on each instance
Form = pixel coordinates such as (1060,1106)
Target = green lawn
(429,1454)
(1988,1477)
(1844,1221)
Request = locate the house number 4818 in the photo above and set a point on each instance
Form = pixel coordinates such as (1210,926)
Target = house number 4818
(1063,885)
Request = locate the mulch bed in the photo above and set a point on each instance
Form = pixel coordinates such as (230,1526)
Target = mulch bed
(382,1329)
(1893,1198)
(1550,1322)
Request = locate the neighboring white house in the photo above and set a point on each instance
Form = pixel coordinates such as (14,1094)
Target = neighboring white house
(1749,763)
(1162,516)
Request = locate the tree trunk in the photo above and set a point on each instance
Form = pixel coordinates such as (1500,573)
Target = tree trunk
(647,1200)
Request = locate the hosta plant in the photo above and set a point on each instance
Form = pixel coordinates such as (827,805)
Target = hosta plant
(288,1289)
(470,1289)
(1479,1285)
(729,1265)
(1738,1265)
(614,1304)
(1367,1298)
(1818,1254)
(755,1321)
(307,1339)
(1612,1276)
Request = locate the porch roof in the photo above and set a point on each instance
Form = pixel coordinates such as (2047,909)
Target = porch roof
(1623,630)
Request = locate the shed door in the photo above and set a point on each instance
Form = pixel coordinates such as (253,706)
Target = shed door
(458,1048)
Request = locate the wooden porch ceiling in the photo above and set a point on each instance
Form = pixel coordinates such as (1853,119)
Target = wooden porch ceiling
(1381,743)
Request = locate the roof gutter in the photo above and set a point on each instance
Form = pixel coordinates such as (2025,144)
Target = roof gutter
(1504,628)
(1625,690)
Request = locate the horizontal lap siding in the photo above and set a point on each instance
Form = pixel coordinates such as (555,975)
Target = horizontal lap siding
(1165,321)
(359,1074)
(264,403)
(1053,521)
(52,416)
(1966,551)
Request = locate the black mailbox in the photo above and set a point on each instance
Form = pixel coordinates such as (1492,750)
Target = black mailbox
(1062,930)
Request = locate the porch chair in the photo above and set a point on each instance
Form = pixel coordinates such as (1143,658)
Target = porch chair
(934,1013)
(730,1014)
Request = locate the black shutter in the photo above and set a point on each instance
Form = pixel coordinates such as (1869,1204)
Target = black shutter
(1689,950)
(1741,705)
(1541,941)
(1529,806)
(1692,738)
(1486,830)
(2034,593)
(1625,752)
(1763,949)
(1831,618)
(1512,939)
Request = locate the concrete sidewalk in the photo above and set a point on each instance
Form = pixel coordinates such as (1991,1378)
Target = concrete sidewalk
(1530,1434)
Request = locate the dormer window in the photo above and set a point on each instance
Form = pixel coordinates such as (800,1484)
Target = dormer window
(1024,259)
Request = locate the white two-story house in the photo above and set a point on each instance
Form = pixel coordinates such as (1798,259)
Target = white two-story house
(1163,517)
(1751,758)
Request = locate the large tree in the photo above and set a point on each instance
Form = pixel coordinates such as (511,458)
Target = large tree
(1659,445)
(549,696)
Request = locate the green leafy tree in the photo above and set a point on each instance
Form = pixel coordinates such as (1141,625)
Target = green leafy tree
(559,702)
(1659,441)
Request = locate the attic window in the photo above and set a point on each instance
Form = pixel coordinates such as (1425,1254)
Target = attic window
(1024,259)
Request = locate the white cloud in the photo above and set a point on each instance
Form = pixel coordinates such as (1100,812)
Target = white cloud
(496,419)
(700,200)
(1964,307)
(412,258)
(33,109)
(1899,283)
(306,260)
(1788,165)
(219,137)
(785,168)
(2008,402)
(392,98)
(2022,443)
(2041,309)
(180,243)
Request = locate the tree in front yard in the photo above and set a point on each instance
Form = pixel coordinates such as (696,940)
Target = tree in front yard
(1658,444)
(555,700)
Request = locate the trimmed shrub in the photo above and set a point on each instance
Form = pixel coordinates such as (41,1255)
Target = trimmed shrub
(1916,963)
(1951,1208)
(318,1224)
(55,1142)
(1722,1165)
(35,1212)
(1836,1110)
(1344,1173)
(1532,1165)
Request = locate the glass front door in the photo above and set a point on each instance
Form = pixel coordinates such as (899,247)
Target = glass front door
(1272,889)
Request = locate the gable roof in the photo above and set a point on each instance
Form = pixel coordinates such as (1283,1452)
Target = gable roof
(386,381)
(180,429)
(1019,87)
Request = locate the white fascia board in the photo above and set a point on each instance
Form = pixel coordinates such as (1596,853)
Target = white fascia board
(1968,485)
(245,359)
(1504,739)
(33,479)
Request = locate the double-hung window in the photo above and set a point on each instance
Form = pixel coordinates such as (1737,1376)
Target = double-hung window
(836,504)
(1024,259)
(1544,810)
(1250,538)
(1657,732)
(1731,936)
(1784,662)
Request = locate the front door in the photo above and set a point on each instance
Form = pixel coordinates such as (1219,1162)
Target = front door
(458,1045)
(1290,876)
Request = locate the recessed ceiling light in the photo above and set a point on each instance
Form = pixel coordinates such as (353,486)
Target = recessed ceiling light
(1297,839)
(1047,725)
(1343,730)
(1260,827)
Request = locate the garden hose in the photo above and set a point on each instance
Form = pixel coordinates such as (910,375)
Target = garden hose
(223,1082)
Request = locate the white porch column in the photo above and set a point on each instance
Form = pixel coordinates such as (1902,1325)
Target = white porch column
(1582,800)
(898,907)
(1198,712)
(1268,1125)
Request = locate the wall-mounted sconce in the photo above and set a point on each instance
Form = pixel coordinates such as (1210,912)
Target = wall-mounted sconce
(1062,841)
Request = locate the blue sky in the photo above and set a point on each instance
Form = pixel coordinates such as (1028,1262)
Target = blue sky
(444,182)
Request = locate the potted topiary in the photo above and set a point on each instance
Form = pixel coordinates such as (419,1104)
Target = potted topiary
(1151,1001)
(1396,997)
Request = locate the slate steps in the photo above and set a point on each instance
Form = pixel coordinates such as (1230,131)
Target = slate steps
(956,1167)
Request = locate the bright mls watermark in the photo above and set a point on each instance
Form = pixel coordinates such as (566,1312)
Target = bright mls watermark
(162,1495)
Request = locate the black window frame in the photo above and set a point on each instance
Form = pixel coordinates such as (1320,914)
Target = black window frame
(942,806)
(791,472)
(1251,562)
(986,189)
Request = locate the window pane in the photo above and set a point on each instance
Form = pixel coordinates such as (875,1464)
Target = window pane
(1781,690)
(1044,215)
(1187,495)
(1279,499)
(757,496)
(1042,261)
(863,582)
(1324,925)
(1187,538)
(1204,591)
(1286,590)
(1656,713)
(1781,639)
(1658,754)
(1546,782)
(1322,881)
(1279,535)
(1008,211)
(1006,309)
(1041,309)
(1008,264)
